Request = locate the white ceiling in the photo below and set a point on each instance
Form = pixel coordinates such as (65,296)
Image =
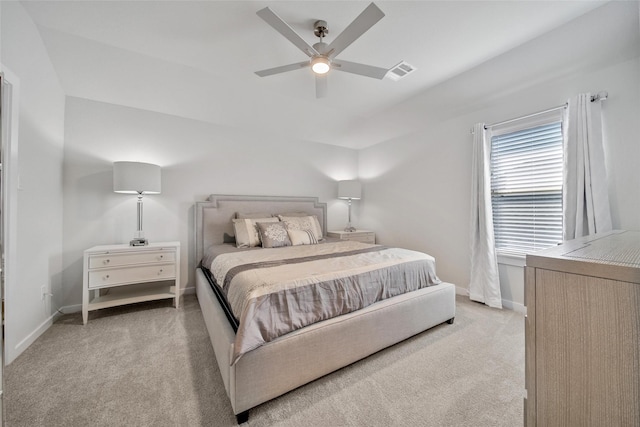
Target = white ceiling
(197,59)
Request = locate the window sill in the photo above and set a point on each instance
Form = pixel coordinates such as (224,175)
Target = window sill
(512,259)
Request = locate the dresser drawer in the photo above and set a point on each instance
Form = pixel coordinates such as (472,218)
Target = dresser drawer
(115,276)
(120,259)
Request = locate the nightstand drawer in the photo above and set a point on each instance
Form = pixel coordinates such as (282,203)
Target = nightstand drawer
(116,259)
(115,276)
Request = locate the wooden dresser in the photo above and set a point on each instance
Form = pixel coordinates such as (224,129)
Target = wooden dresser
(582,332)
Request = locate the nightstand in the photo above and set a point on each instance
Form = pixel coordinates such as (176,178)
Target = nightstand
(113,275)
(363,236)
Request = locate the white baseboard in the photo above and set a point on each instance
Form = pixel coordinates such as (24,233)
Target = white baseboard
(67,309)
(509,305)
(515,306)
(13,353)
(462,291)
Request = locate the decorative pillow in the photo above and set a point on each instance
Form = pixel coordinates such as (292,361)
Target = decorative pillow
(309,222)
(301,237)
(273,234)
(253,215)
(247,232)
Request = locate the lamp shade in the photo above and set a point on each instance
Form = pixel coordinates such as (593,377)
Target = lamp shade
(349,190)
(136,178)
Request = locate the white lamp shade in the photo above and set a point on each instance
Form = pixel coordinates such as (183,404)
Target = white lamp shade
(136,178)
(349,190)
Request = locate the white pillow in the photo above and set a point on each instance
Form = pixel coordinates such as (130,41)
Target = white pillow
(246,231)
(309,222)
(301,237)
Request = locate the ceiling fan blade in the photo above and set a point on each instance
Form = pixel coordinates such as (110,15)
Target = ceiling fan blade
(282,69)
(321,86)
(360,69)
(358,27)
(283,28)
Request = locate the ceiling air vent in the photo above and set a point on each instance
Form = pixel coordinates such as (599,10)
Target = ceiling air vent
(401,70)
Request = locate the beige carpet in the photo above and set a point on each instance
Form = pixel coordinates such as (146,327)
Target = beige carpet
(152,365)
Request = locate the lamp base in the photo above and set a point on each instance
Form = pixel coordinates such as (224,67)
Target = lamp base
(139,241)
(349,229)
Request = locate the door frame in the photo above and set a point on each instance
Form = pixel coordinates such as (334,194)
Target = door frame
(10,186)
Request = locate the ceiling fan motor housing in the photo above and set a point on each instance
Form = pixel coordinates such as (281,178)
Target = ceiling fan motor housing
(320,28)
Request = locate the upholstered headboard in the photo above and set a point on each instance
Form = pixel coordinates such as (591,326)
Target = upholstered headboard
(213,218)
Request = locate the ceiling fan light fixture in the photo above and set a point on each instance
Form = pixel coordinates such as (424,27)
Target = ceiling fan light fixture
(320,65)
(322,57)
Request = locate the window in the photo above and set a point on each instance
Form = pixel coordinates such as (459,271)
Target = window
(526,185)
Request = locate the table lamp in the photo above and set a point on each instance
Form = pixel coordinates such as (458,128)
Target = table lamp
(349,190)
(136,178)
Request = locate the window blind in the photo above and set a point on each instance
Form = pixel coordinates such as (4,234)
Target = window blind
(526,188)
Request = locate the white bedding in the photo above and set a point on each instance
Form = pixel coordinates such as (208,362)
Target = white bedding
(276,291)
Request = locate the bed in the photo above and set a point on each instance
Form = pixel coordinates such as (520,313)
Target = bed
(257,369)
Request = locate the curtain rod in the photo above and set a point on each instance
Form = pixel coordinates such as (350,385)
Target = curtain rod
(559,107)
(600,96)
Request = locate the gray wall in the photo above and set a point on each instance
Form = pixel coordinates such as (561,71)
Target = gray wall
(39,188)
(197,159)
(417,187)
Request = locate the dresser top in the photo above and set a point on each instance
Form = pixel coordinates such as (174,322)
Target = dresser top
(127,247)
(614,255)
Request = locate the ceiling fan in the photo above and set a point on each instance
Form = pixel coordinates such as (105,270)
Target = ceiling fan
(322,56)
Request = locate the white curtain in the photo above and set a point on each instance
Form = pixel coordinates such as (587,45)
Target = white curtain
(485,282)
(585,203)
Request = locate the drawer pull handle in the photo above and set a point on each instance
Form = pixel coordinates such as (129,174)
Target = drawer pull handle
(161,256)
(160,272)
(106,277)
(107,261)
